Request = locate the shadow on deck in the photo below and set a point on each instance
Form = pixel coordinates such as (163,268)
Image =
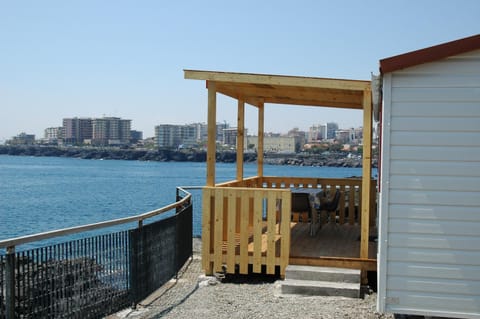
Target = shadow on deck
(330,241)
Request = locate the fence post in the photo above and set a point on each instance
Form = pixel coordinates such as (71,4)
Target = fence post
(10,283)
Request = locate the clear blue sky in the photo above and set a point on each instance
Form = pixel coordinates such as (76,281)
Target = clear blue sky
(126,58)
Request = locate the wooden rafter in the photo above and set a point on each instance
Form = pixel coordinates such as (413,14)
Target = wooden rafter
(257,89)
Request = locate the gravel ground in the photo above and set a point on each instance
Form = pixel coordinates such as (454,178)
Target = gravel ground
(194,295)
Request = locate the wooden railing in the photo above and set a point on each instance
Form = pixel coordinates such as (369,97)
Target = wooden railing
(350,204)
(248,222)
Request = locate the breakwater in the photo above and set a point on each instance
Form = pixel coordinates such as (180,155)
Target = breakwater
(338,159)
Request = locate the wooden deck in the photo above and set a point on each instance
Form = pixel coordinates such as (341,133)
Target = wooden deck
(330,240)
(332,245)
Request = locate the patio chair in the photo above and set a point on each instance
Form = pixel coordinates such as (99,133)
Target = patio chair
(331,207)
(301,210)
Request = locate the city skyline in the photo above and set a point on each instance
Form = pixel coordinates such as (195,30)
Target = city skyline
(117,58)
(50,130)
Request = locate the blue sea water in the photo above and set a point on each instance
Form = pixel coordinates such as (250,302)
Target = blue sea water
(39,194)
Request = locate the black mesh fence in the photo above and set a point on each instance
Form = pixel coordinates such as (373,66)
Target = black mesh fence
(184,235)
(95,276)
(85,278)
(2,286)
(158,251)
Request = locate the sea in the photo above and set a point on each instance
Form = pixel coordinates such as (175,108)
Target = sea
(39,194)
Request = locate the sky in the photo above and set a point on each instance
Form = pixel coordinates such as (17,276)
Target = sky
(86,58)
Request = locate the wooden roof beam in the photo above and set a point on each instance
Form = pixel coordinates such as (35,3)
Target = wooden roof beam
(282,80)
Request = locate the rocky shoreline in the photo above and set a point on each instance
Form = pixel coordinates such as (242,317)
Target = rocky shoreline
(339,159)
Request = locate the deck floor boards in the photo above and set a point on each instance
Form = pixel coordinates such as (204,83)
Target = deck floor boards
(331,240)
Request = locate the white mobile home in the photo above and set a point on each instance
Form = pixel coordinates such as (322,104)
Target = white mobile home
(429,217)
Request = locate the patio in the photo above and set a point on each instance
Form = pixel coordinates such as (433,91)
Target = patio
(246,223)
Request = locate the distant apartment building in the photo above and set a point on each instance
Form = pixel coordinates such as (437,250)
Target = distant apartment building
(77,130)
(53,133)
(331,128)
(110,131)
(22,139)
(97,131)
(343,136)
(229,136)
(316,133)
(136,136)
(201,130)
(275,144)
(190,135)
(300,138)
(358,132)
(176,136)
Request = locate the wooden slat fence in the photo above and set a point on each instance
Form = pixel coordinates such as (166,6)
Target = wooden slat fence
(245,226)
(247,223)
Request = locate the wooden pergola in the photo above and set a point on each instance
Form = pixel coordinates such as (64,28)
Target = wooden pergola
(258,90)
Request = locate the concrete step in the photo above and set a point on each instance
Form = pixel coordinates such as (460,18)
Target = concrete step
(320,288)
(313,273)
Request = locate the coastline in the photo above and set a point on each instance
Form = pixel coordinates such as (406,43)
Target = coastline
(340,159)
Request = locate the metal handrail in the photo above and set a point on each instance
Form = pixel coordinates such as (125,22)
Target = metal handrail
(12,242)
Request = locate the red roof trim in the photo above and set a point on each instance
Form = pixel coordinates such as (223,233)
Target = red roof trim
(430,54)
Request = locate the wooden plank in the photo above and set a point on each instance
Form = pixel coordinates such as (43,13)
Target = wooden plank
(218,231)
(285,232)
(373,203)
(351,205)
(240,138)
(244,233)
(271,231)
(342,205)
(231,220)
(212,132)
(225,215)
(206,230)
(261,125)
(257,231)
(282,80)
(366,173)
(256,94)
(359,193)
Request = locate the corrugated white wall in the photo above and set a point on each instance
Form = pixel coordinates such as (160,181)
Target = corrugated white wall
(429,245)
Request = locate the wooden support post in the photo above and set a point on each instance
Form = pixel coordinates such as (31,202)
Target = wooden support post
(261,125)
(212,133)
(366,175)
(240,138)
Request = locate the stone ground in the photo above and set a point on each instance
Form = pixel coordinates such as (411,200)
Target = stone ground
(193,295)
